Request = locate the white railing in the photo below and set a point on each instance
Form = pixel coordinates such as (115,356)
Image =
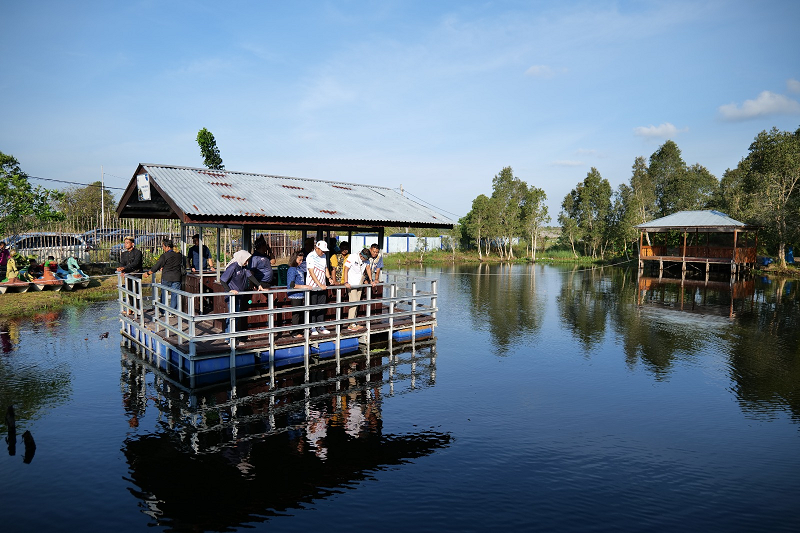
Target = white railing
(400,295)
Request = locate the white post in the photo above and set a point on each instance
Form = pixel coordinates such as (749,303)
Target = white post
(102,199)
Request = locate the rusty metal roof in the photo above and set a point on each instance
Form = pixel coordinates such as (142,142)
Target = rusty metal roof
(710,219)
(196,194)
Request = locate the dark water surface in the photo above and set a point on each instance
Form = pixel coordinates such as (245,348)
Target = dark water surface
(551,400)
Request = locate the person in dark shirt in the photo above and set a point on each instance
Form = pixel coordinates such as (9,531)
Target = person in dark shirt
(170,263)
(261,262)
(130,262)
(193,255)
(235,279)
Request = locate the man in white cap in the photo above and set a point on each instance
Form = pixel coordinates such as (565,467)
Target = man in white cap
(316,267)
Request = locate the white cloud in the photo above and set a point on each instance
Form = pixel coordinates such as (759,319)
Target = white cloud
(664,130)
(540,71)
(793,86)
(767,103)
(567,163)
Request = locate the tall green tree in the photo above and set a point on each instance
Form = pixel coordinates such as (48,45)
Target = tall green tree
(478,220)
(677,186)
(21,204)
(667,171)
(624,216)
(732,196)
(85,202)
(534,215)
(772,180)
(642,200)
(571,232)
(209,150)
(508,195)
(594,206)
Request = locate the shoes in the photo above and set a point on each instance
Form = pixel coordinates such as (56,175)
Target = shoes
(314,331)
(324,331)
(353,327)
(298,336)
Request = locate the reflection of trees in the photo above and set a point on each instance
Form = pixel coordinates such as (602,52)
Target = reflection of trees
(583,303)
(504,298)
(655,333)
(28,385)
(765,359)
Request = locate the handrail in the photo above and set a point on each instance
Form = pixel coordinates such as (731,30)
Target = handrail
(163,312)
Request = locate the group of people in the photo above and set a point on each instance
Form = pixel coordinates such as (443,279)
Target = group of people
(10,271)
(314,268)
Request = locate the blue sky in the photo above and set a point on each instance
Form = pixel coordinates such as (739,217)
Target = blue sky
(438,96)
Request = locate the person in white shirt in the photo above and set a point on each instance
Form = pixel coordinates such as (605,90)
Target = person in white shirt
(353,274)
(316,275)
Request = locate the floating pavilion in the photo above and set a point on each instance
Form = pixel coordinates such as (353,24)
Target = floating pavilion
(699,238)
(193,339)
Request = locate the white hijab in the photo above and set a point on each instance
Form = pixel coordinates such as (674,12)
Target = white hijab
(240,257)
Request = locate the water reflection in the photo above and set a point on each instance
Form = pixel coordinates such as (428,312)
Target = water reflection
(27,387)
(503,299)
(226,456)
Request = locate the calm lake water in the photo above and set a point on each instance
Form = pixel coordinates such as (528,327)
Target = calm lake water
(552,399)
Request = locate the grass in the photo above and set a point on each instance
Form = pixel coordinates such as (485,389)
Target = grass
(440,257)
(31,303)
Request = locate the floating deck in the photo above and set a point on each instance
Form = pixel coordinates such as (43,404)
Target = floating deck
(198,344)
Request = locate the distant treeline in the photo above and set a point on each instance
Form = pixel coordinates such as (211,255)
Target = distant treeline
(599,222)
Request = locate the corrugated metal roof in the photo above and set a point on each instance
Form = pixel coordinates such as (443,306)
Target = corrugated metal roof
(693,219)
(202,192)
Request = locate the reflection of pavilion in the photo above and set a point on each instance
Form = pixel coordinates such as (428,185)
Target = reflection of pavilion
(701,296)
(229,456)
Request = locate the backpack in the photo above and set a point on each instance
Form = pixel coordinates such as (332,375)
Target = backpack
(339,270)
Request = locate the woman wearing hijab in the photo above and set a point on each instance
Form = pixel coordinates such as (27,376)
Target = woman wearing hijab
(236,276)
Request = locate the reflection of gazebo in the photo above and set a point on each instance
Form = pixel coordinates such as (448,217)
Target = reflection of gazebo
(708,237)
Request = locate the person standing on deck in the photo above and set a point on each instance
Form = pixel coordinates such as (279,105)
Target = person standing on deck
(316,265)
(337,263)
(4,255)
(295,279)
(375,264)
(170,263)
(354,275)
(130,262)
(261,262)
(236,276)
(193,255)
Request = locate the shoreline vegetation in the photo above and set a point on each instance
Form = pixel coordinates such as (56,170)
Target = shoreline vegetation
(104,288)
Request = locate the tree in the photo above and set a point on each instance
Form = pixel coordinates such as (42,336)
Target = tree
(667,171)
(772,179)
(477,220)
(568,219)
(732,196)
(22,205)
(508,193)
(594,205)
(623,217)
(209,150)
(85,202)
(642,200)
(678,187)
(534,215)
